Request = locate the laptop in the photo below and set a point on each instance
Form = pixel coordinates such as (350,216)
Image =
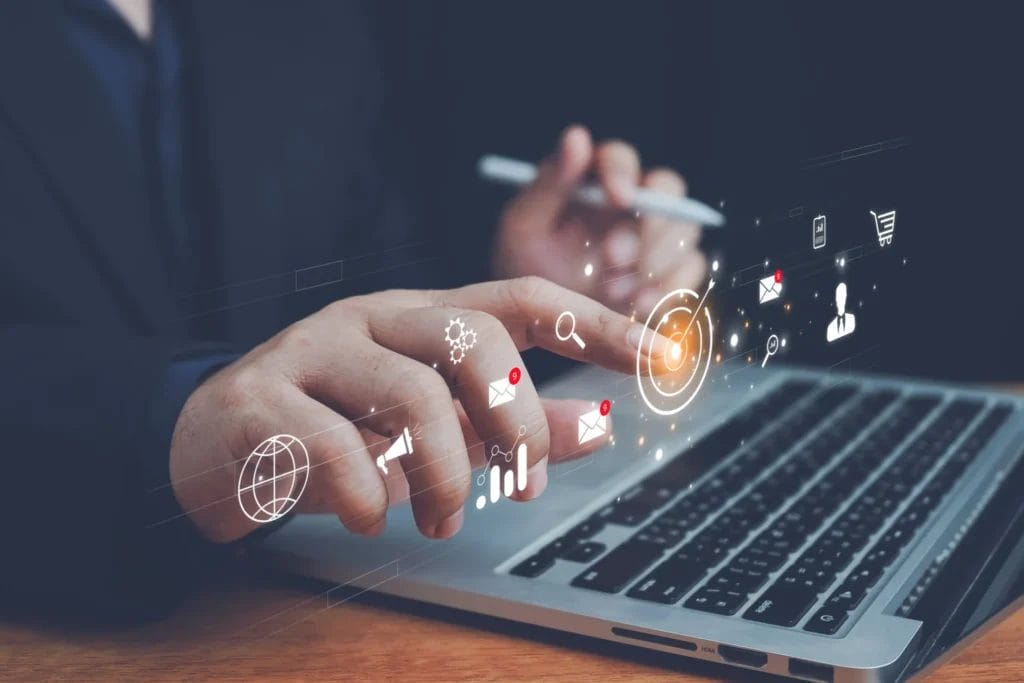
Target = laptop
(812,524)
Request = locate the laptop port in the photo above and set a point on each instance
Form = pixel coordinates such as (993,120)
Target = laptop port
(739,655)
(811,670)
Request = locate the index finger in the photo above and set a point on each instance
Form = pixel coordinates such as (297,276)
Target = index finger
(529,308)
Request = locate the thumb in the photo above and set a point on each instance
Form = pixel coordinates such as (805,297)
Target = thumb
(537,207)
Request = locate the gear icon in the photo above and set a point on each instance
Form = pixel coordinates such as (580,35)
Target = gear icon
(455,331)
(458,352)
(468,340)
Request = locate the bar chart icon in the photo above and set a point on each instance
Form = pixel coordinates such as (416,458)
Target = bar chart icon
(504,483)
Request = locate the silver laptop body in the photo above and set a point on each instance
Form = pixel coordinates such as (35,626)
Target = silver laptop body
(876,637)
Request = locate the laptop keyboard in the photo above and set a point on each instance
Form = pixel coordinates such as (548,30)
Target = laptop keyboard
(779,524)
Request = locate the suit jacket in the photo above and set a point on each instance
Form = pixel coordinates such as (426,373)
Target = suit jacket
(290,106)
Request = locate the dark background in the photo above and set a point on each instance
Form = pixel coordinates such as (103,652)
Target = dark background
(737,96)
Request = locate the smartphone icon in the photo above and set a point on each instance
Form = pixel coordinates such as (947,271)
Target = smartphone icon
(818,232)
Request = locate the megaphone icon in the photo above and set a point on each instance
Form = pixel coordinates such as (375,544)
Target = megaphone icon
(396,450)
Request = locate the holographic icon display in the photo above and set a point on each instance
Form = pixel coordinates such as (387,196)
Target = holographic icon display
(402,446)
(571,333)
(818,236)
(771,348)
(502,391)
(844,323)
(512,480)
(593,424)
(682,317)
(461,338)
(769,288)
(885,226)
(273,478)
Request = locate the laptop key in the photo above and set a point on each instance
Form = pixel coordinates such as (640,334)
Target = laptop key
(584,552)
(864,575)
(813,579)
(619,567)
(534,566)
(668,583)
(760,559)
(659,534)
(717,601)
(558,547)
(739,579)
(826,621)
(585,529)
(847,596)
(782,605)
(625,513)
(700,553)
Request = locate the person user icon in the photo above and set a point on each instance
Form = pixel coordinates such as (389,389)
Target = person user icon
(844,323)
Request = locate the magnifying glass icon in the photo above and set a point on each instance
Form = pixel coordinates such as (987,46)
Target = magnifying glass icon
(772,348)
(572,329)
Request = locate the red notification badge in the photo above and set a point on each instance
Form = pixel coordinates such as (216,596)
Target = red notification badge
(606,407)
(778,276)
(514,375)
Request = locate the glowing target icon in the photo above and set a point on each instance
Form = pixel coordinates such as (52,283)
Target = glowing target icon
(685,322)
(273,478)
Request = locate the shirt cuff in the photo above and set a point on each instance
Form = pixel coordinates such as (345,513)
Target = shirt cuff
(183,376)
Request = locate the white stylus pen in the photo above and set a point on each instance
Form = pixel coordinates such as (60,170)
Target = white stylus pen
(519,173)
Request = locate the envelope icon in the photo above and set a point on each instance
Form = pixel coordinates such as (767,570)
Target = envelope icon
(592,425)
(500,392)
(768,289)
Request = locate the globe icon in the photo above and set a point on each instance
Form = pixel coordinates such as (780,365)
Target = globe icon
(273,478)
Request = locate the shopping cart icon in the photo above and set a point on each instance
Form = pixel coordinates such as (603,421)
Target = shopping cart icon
(885,224)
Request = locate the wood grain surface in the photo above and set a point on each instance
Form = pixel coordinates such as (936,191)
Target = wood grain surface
(256,627)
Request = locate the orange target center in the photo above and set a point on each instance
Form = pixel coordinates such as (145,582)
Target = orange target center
(676,352)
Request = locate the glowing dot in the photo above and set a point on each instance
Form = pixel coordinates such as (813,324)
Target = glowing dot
(714,265)
(682,243)
(842,262)
(373,409)
(260,478)
(672,427)
(587,243)
(588,269)
(757,221)
(480,502)
(783,342)
(659,454)
(677,351)
(640,441)
(734,340)
(766,263)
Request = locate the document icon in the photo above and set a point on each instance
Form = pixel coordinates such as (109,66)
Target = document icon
(769,288)
(500,392)
(592,425)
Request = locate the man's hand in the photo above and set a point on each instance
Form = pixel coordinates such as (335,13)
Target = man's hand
(635,261)
(350,377)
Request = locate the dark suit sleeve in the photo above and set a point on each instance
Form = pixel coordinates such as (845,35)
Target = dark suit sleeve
(88,523)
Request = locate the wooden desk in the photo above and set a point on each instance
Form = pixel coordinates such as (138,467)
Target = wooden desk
(260,628)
